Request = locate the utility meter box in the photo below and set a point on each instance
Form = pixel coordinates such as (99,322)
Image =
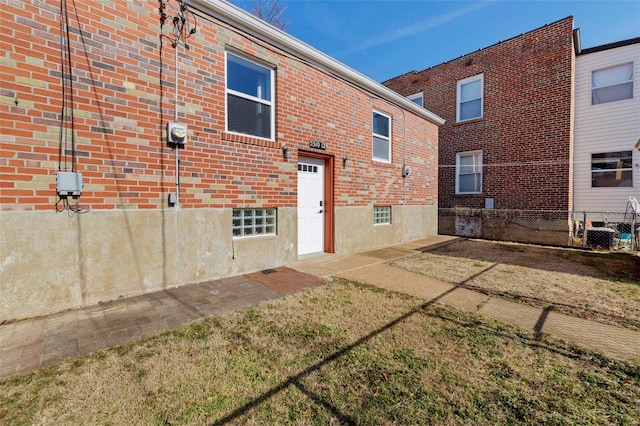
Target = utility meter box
(176,132)
(69,184)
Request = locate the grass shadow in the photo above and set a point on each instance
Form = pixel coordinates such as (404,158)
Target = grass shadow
(295,380)
(612,266)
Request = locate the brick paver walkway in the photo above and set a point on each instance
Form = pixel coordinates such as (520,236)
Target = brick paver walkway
(30,344)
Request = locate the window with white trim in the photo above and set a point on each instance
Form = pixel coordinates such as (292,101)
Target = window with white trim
(381,137)
(470,98)
(612,169)
(381,215)
(417,98)
(253,222)
(249,91)
(469,172)
(612,84)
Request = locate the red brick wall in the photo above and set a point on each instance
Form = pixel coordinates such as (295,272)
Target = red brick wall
(525,131)
(121,110)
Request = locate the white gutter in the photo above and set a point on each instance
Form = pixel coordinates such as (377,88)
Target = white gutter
(245,21)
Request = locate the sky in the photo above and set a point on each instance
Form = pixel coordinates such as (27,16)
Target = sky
(386,38)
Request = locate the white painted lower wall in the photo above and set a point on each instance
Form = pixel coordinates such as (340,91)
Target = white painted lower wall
(356,232)
(51,262)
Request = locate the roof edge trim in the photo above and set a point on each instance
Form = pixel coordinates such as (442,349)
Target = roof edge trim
(615,44)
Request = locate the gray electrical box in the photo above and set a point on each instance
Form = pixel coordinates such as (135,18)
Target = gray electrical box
(489,203)
(69,184)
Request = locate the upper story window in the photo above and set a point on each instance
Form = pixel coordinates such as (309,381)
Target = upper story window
(381,137)
(470,98)
(612,169)
(250,106)
(469,172)
(612,84)
(417,98)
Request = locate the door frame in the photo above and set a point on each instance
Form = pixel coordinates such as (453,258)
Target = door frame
(329,162)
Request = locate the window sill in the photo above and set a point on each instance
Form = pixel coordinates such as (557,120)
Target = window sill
(471,121)
(249,140)
(611,102)
(381,163)
(473,195)
(253,237)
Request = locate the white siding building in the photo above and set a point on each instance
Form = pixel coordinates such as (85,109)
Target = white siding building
(607,127)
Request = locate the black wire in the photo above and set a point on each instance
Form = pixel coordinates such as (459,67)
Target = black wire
(180,21)
(60,209)
(73,133)
(67,118)
(62,114)
(67,96)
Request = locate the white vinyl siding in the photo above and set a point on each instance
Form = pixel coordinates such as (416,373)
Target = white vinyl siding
(604,128)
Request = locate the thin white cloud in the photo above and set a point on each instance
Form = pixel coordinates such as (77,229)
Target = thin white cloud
(420,27)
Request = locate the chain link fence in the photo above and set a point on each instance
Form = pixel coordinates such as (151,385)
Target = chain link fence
(608,231)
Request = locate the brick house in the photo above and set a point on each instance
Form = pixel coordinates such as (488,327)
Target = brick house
(508,137)
(171,165)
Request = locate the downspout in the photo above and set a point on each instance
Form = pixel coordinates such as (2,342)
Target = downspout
(175,118)
(404,156)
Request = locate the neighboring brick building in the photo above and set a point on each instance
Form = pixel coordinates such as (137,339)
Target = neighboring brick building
(507,140)
(287,152)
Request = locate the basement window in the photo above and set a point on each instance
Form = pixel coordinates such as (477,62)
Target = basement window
(381,215)
(253,222)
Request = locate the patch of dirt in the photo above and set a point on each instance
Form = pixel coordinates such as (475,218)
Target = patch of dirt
(600,286)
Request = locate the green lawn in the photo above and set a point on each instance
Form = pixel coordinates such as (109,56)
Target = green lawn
(338,354)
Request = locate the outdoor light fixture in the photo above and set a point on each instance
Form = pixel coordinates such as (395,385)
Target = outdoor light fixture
(345,160)
(286,153)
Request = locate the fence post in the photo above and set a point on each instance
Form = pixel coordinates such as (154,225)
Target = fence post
(634,235)
(584,229)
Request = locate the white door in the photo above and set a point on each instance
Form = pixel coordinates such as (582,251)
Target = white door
(310,205)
